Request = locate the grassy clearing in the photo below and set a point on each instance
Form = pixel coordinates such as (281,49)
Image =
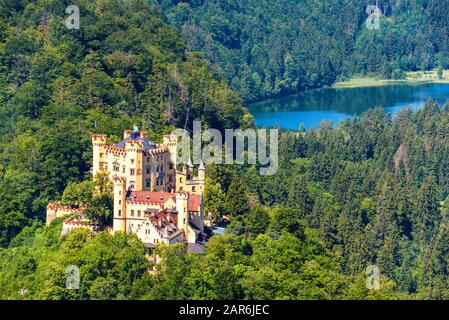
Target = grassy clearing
(430,76)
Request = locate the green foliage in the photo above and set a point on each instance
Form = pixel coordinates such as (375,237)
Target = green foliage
(78,192)
(268,48)
(213,199)
(123,67)
(109,265)
(236,201)
(372,191)
(258,220)
(101,209)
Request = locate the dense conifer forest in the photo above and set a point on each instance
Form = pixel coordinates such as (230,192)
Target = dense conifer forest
(267,48)
(373,190)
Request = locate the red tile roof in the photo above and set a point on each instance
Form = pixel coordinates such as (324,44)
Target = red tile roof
(194,202)
(163,223)
(162,197)
(153,197)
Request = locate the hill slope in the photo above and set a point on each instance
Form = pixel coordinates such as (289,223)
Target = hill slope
(123,67)
(268,48)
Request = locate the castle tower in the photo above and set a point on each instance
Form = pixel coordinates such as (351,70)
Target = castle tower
(201,178)
(98,156)
(134,152)
(189,170)
(171,142)
(119,223)
(182,206)
(202,172)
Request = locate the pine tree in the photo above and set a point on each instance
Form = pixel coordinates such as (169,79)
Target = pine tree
(435,267)
(236,204)
(427,210)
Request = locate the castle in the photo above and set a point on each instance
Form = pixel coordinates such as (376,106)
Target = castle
(155,197)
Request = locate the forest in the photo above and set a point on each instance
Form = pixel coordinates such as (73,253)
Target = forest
(373,190)
(124,67)
(272,48)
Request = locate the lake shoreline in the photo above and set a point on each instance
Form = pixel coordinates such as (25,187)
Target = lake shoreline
(378,83)
(309,108)
(412,77)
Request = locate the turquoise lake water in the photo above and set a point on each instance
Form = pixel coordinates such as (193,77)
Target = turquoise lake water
(309,108)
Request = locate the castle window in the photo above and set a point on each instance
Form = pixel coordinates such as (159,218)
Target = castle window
(148,183)
(132,184)
(132,172)
(124,169)
(120,202)
(148,159)
(132,161)
(116,167)
(101,155)
(170,166)
(139,213)
(120,213)
(162,168)
(132,213)
(148,170)
(193,189)
(170,178)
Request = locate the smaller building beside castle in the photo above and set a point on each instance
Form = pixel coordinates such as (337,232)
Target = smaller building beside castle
(56,210)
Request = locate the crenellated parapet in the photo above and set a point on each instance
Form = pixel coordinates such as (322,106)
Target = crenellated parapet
(157,151)
(170,140)
(57,209)
(134,146)
(77,223)
(115,150)
(99,137)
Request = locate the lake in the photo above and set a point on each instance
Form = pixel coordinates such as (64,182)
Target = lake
(334,104)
